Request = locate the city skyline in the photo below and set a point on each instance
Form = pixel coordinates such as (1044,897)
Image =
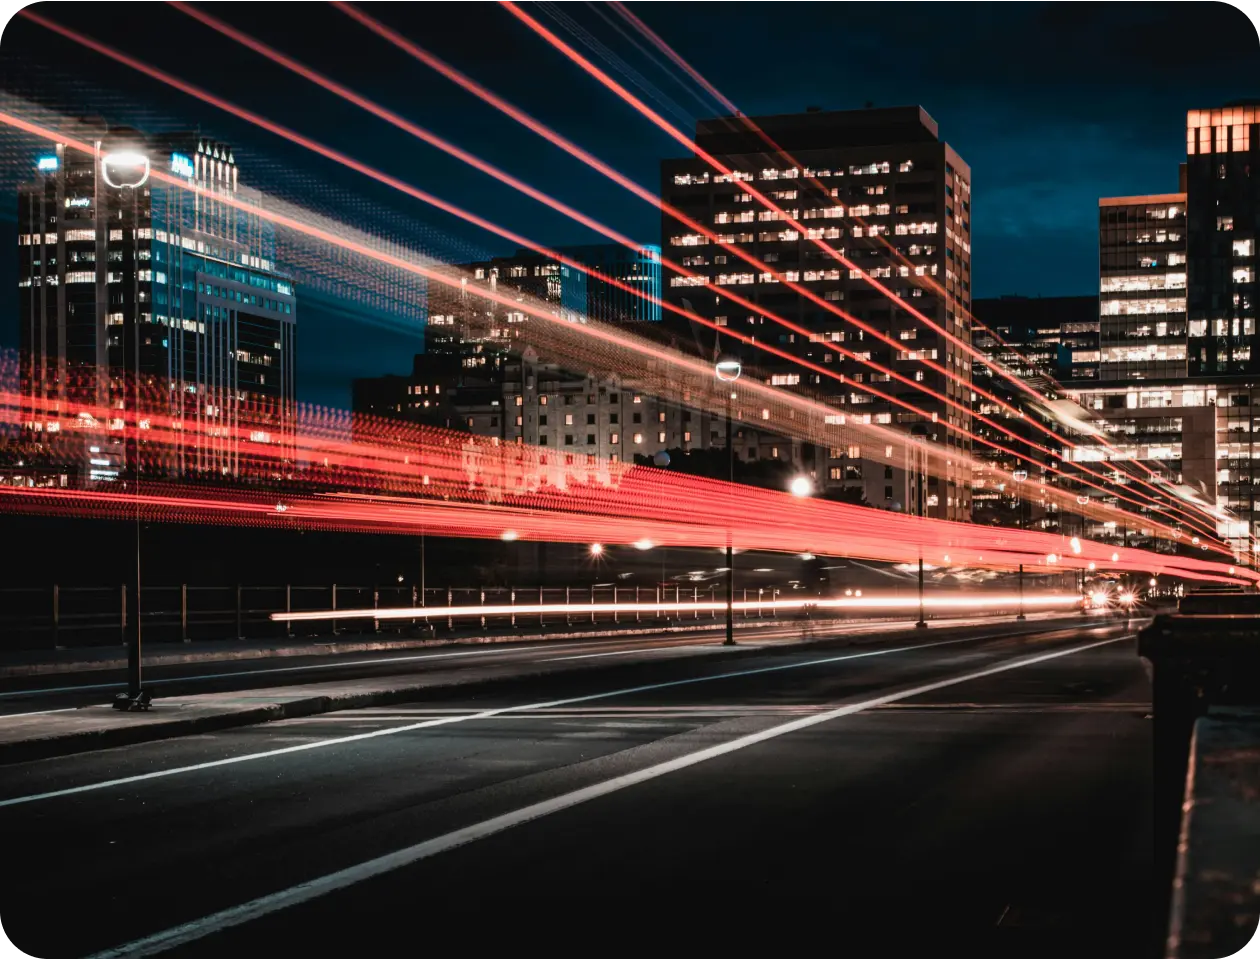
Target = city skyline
(1040,162)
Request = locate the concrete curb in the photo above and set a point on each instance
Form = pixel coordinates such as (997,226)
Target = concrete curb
(227,654)
(152,726)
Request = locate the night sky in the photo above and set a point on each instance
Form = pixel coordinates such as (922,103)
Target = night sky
(1051,105)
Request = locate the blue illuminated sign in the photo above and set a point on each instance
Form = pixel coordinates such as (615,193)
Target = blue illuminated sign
(181,165)
(47,164)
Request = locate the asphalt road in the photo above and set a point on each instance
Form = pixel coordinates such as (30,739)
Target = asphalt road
(990,795)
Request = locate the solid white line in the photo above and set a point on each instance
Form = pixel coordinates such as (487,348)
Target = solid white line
(322,886)
(622,652)
(484,714)
(38,712)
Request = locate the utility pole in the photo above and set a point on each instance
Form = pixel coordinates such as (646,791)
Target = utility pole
(1021,592)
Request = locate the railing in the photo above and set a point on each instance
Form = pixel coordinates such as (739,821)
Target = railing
(74,616)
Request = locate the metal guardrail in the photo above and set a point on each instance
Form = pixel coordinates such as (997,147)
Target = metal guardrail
(62,617)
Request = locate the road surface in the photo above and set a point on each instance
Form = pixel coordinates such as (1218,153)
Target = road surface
(993,795)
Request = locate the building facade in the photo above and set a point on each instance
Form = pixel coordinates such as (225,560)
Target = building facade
(123,278)
(1142,287)
(1043,340)
(1223,187)
(478,375)
(881,188)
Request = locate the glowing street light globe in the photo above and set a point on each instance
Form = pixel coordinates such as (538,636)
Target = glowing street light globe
(597,549)
(660,460)
(1115,557)
(800,486)
(728,370)
(1076,545)
(125,169)
(643,544)
(508,535)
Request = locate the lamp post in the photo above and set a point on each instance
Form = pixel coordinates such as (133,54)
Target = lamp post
(727,370)
(124,172)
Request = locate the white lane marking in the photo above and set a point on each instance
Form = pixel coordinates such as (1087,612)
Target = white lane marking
(627,652)
(484,714)
(322,886)
(38,712)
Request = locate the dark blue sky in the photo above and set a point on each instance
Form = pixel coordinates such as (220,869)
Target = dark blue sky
(1051,105)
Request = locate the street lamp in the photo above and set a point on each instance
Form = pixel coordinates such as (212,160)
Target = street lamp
(597,549)
(801,486)
(727,370)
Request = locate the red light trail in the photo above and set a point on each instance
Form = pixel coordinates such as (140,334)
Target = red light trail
(423,196)
(682,138)
(702,385)
(924,281)
(539,128)
(413,478)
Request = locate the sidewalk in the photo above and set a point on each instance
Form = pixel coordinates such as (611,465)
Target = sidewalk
(31,736)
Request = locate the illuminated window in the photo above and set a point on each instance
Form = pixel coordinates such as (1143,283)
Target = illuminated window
(638,438)
(1224,222)
(785,379)
(614,437)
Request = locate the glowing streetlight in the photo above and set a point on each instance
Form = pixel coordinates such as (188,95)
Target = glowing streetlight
(1076,545)
(597,549)
(643,544)
(857,593)
(1152,582)
(1115,557)
(1052,558)
(508,535)
(727,370)
(1126,598)
(1093,565)
(801,486)
(1098,599)
(125,169)
(809,556)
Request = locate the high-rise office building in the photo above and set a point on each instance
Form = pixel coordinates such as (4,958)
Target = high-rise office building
(122,276)
(881,187)
(1223,191)
(1142,287)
